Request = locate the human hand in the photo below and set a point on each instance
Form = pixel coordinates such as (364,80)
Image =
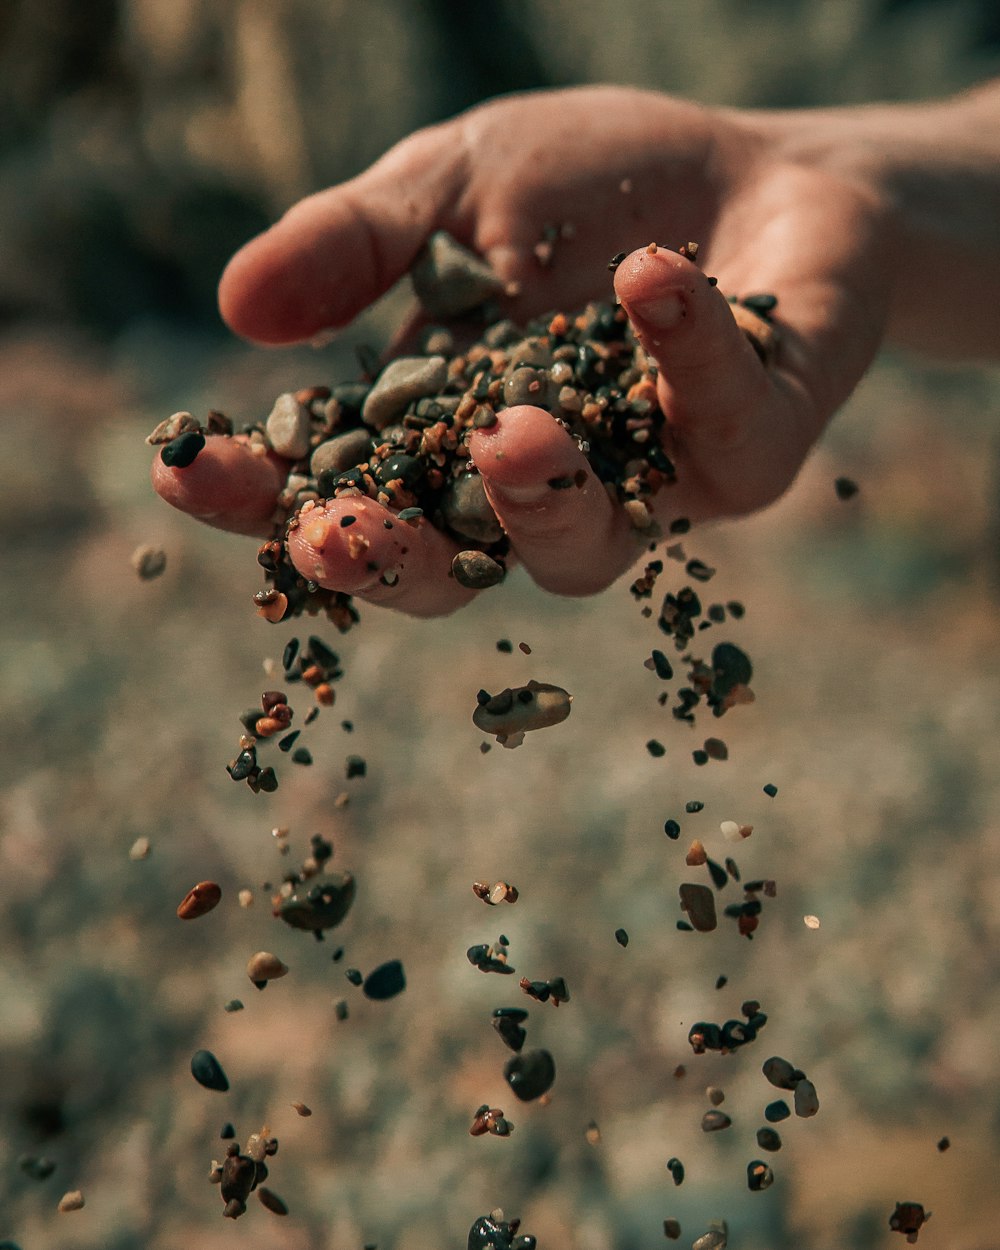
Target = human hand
(623,167)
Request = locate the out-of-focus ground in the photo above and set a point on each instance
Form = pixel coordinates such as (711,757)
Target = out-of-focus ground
(141,142)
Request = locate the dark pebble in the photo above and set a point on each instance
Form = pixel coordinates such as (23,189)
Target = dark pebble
(182,451)
(289,740)
(302,756)
(621,937)
(693,806)
(720,878)
(207,1071)
(845,488)
(721,981)
(671,1229)
(662,666)
(530,1074)
(411,514)
(714,1121)
(505,646)
(385,981)
(731,668)
(698,902)
(36,1166)
(340,1009)
(732,868)
(777,1111)
(354,976)
(355,766)
(672,829)
(509,1023)
(768,1139)
(770,790)
(228,1132)
(490,1234)
(762,304)
(680,526)
(656,749)
(676,1170)
(269,1199)
(699,570)
(290,652)
(759,1176)
(475,570)
(943,1144)
(267,780)
(700,757)
(780,1072)
(805,1099)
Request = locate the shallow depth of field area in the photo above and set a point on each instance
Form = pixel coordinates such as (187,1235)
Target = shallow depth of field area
(140,143)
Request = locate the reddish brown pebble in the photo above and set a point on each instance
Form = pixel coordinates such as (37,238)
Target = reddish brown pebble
(696,855)
(302,1109)
(199,900)
(267,727)
(908,1218)
(325,694)
(273,606)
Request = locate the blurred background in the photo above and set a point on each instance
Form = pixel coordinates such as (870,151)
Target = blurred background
(141,142)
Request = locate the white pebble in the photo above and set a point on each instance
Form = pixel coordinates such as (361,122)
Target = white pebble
(811,922)
(288,427)
(730,831)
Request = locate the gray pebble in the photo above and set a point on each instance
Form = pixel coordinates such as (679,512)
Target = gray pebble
(449,279)
(438,342)
(342,452)
(475,570)
(525,386)
(531,351)
(149,562)
(713,1121)
(714,1239)
(699,903)
(405,379)
(288,427)
(806,1099)
(468,512)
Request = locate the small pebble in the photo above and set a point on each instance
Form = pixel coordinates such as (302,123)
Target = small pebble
(805,1099)
(140,849)
(944,1144)
(521,709)
(621,937)
(270,1200)
(656,749)
(72,1201)
(908,1218)
(676,1170)
(263,966)
(302,1109)
(340,1009)
(770,790)
(768,1139)
(845,488)
(401,381)
(475,570)
(671,1229)
(592,1134)
(183,450)
(672,829)
(777,1111)
(714,1121)
(780,1072)
(228,1132)
(811,922)
(715,1095)
(759,1176)
(234,1004)
(207,1071)
(714,1239)
(385,981)
(530,1074)
(693,805)
(287,427)
(450,280)
(698,902)
(149,562)
(199,900)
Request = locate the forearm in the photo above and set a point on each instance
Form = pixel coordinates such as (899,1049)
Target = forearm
(935,171)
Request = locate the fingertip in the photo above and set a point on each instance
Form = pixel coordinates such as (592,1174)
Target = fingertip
(230,485)
(524,449)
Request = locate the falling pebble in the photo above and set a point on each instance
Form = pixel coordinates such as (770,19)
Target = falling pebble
(302,1109)
(140,849)
(592,1133)
(71,1201)
(621,937)
(385,981)
(207,1071)
(845,488)
(811,922)
(149,562)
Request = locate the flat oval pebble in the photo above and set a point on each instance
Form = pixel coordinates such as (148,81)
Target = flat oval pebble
(207,1071)
(199,900)
(72,1201)
(468,512)
(530,1074)
(521,708)
(777,1111)
(342,452)
(270,1200)
(404,379)
(385,981)
(287,427)
(698,902)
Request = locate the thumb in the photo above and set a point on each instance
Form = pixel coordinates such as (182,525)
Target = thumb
(336,252)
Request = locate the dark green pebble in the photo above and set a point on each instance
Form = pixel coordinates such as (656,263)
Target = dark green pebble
(720,981)
(699,570)
(490,1234)
(662,666)
(530,1074)
(385,981)
(321,654)
(715,1121)
(354,976)
(207,1071)
(228,1132)
(680,526)
(355,766)
(768,1139)
(505,646)
(289,740)
(720,878)
(676,1170)
(36,1166)
(508,1022)
(183,450)
(243,765)
(777,1111)
(672,829)
(338,955)
(621,937)
(409,468)
(302,756)
(731,668)
(844,486)
(693,805)
(671,1229)
(411,514)
(340,1009)
(267,780)
(656,749)
(684,926)
(770,790)
(289,654)
(732,868)
(759,1176)
(736,609)
(700,757)
(762,304)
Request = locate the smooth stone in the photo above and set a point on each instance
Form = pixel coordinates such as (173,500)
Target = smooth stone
(475,570)
(400,382)
(207,1071)
(385,981)
(779,1072)
(320,905)
(509,713)
(530,1074)
(449,279)
(526,386)
(468,512)
(341,453)
(806,1099)
(288,427)
(699,903)
(534,351)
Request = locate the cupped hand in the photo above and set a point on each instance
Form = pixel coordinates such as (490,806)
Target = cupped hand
(615,168)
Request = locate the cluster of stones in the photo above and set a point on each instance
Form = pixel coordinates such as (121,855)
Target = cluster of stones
(730,1036)
(240,1173)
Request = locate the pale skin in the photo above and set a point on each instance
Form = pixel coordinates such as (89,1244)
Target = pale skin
(869,224)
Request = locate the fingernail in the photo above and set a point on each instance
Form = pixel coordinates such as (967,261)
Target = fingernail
(664,312)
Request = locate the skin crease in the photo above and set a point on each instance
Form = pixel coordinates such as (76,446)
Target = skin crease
(857,219)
